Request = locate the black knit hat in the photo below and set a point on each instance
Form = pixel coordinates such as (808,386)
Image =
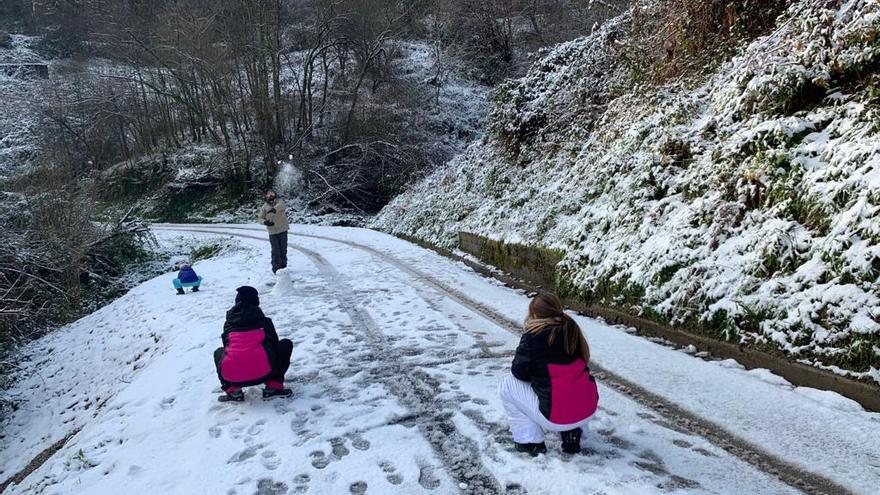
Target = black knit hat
(247,294)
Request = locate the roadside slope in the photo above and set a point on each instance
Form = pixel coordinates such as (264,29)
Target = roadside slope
(745,207)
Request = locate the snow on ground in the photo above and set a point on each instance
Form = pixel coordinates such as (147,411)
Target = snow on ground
(394,392)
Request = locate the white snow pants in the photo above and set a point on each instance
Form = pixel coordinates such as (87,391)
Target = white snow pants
(527,424)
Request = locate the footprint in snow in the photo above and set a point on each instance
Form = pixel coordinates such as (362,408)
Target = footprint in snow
(339,448)
(616,441)
(215,431)
(358,487)
(676,483)
(270,460)
(256,428)
(704,452)
(268,486)
(427,478)
(244,454)
(359,442)
(282,407)
(298,423)
(236,432)
(651,463)
(391,473)
(319,459)
(301,483)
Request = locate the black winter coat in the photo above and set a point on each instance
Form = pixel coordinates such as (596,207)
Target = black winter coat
(533,361)
(243,317)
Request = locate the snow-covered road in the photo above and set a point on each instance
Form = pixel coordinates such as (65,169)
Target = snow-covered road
(394,375)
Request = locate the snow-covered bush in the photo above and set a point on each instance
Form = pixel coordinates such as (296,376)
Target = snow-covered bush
(745,204)
(56,264)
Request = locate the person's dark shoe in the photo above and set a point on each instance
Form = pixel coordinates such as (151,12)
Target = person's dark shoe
(180,292)
(571,441)
(533,449)
(237,396)
(196,288)
(271,393)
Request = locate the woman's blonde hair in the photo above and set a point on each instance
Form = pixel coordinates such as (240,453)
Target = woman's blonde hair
(546,310)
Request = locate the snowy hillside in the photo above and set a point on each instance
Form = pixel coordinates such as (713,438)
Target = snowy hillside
(746,206)
(394,372)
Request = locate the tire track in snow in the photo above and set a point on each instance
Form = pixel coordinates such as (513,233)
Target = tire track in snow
(416,390)
(673,416)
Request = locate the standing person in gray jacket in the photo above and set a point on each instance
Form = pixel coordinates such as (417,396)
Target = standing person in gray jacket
(273,215)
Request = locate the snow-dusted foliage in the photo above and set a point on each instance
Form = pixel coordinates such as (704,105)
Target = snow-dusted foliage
(18,125)
(747,206)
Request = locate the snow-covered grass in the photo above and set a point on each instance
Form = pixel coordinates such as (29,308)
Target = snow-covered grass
(137,380)
(746,205)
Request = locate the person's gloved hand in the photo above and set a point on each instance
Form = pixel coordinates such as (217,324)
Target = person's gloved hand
(268,223)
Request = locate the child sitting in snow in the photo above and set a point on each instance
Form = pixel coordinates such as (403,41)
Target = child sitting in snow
(550,388)
(252,353)
(187,277)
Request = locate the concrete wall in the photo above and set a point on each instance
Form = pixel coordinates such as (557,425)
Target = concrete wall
(529,263)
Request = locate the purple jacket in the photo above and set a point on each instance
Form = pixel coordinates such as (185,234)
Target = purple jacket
(187,275)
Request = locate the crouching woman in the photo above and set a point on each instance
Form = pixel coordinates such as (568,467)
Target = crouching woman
(252,353)
(550,388)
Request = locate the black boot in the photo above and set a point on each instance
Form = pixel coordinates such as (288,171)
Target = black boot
(196,288)
(270,393)
(236,396)
(180,292)
(571,441)
(533,449)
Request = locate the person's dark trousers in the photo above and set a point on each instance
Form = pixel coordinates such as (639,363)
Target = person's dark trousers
(283,350)
(218,358)
(279,250)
